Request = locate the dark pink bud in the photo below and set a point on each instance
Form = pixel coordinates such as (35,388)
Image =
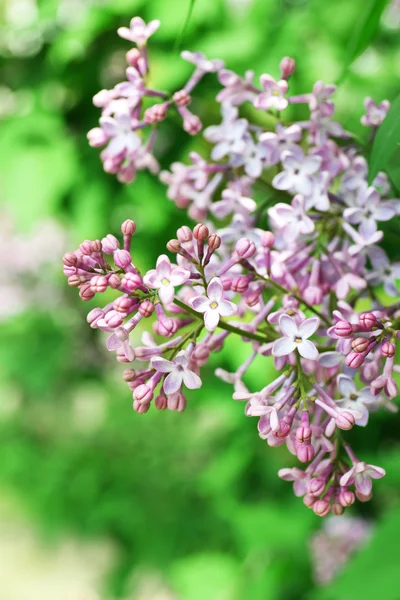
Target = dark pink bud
(122,258)
(343,329)
(166,327)
(128,227)
(284,430)
(316,486)
(109,244)
(99,284)
(309,500)
(201,232)
(388,349)
(177,402)
(96,246)
(173,246)
(360,344)
(114,281)
(252,299)
(240,284)
(267,239)
(303,434)
(146,308)
(214,242)
(75,280)
(156,113)
(345,420)
(245,248)
(321,508)
(305,452)
(131,281)
(143,393)
(226,283)
(86,292)
(94,315)
(346,498)
(113,319)
(161,401)
(368,320)
(354,360)
(201,354)
(287,66)
(123,304)
(184,234)
(337,509)
(129,375)
(70,259)
(181,98)
(86,247)
(141,407)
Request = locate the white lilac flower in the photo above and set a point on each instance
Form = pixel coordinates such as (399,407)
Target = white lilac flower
(236,89)
(178,372)
(368,208)
(297,174)
(213,305)
(123,139)
(352,398)
(360,475)
(292,219)
(365,238)
(228,136)
(285,138)
(165,277)
(296,337)
(383,271)
(202,62)
(375,113)
(232,202)
(273,94)
(139,32)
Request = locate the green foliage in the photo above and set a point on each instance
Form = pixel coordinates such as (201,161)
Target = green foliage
(387,140)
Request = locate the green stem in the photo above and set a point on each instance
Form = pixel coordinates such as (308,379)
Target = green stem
(226,326)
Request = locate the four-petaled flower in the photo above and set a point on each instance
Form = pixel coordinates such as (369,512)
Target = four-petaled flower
(123,139)
(178,372)
(213,305)
(296,336)
(352,398)
(273,94)
(139,32)
(298,171)
(165,277)
(360,474)
(202,62)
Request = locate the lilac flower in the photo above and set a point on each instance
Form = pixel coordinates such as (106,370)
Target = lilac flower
(232,202)
(292,219)
(213,305)
(179,372)
(297,174)
(369,208)
(133,89)
(165,277)
(352,398)
(296,337)
(360,475)
(123,139)
(252,158)
(273,95)
(201,62)
(364,238)
(383,271)
(236,90)
(228,136)
(138,31)
(375,113)
(285,138)
(120,339)
(319,99)
(319,198)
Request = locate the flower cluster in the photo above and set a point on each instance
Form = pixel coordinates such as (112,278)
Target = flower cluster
(289,290)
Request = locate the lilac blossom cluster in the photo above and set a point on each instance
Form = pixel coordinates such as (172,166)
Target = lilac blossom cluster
(289,292)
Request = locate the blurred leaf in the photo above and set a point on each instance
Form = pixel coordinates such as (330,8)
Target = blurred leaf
(386,142)
(185,25)
(211,576)
(364,31)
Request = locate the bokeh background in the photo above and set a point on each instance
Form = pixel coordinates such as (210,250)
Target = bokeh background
(96,501)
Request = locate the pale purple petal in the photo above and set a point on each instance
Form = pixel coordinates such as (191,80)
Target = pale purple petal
(308,350)
(309,327)
(191,380)
(215,289)
(226,308)
(346,386)
(211,319)
(162,364)
(173,382)
(199,303)
(288,326)
(283,346)
(113,343)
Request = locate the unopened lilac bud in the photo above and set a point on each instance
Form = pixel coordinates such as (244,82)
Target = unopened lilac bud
(86,293)
(368,320)
(86,247)
(99,284)
(143,393)
(75,280)
(287,66)
(181,98)
(96,137)
(252,299)
(161,401)
(146,308)
(132,57)
(166,327)
(114,281)
(129,375)
(109,244)
(173,246)
(192,124)
(316,486)
(70,259)
(96,246)
(346,498)
(305,452)
(245,248)
(113,318)
(201,232)
(156,113)
(177,402)
(360,344)
(337,509)
(123,304)
(240,284)
(303,434)
(343,329)
(184,234)
(354,360)
(267,239)
(201,354)
(122,258)
(214,242)
(363,497)
(309,500)
(345,420)
(121,357)
(94,315)
(141,407)
(128,227)
(131,282)
(388,349)
(321,507)
(226,283)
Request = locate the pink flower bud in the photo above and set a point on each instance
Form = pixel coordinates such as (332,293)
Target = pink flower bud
(303,434)
(226,283)
(173,246)
(184,234)
(132,57)
(287,66)
(94,315)
(201,232)
(305,452)
(201,354)
(245,248)
(368,320)
(128,227)
(360,344)
(343,329)
(161,401)
(177,402)
(309,500)
(156,113)
(316,486)
(240,284)
(96,137)
(321,508)
(86,293)
(181,98)
(388,349)
(113,318)
(86,247)
(363,497)
(354,360)
(337,509)
(96,246)
(346,498)
(124,305)
(99,284)
(192,124)
(267,239)
(131,282)
(146,308)
(214,242)
(114,281)
(252,299)
(122,258)
(143,393)
(70,259)
(75,280)
(167,327)
(141,407)
(109,244)
(345,420)
(129,375)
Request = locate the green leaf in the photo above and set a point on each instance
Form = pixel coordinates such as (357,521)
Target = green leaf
(185,24)
(386,142)
(364,31)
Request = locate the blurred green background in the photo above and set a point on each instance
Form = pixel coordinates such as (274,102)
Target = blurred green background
(162,506)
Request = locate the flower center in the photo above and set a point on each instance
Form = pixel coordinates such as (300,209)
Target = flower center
(165,281)
(290,312)
(298,340)
(214,304)
(353,396)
